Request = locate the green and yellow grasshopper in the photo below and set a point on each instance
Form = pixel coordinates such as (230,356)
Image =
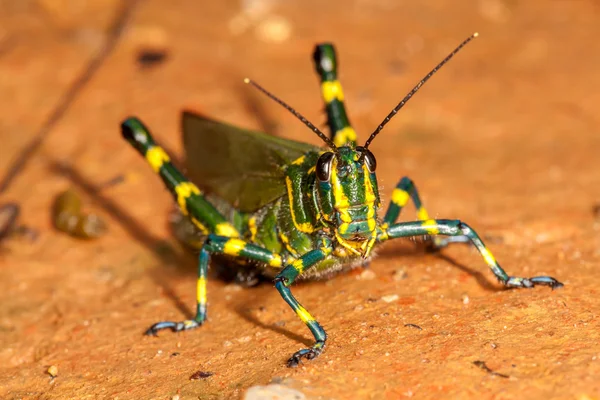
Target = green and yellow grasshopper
(291,209)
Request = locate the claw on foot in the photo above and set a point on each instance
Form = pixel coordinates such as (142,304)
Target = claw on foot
(515,281)
(309,354)
(174,326)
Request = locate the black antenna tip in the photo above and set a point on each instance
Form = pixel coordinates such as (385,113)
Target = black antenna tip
(416,88)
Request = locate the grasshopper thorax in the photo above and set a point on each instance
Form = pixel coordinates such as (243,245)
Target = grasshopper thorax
(349,197)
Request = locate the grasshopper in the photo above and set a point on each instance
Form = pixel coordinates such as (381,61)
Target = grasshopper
(294,210)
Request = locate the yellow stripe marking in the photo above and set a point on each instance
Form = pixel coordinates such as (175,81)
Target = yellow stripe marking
(369,192)
(344,135)
(372,224)
(422,214)
(276,261)
(201,290)
(298,265)
(332,90)
(252,228)
(341,200)
(304,315)
(189,323)
(234,247)
(488,257)
(430,226)
(400,198)
(226,229)
(183,191)
(199,225)
(156,157)
(286,243)
(305,227)
(299,160)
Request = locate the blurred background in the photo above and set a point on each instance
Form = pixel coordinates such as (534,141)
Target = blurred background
(505,137)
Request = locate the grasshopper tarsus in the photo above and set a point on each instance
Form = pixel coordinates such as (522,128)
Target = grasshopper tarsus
(173,326)
(308,354)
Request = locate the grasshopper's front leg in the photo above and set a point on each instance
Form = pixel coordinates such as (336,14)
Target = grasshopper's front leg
(455,228)
(217,245)
(405,190)
(282,283)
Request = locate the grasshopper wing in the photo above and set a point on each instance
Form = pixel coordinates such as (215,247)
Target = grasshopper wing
(245,168)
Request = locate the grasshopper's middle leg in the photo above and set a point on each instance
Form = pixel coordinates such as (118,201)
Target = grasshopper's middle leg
(199,210)
(405,190)
(216,245)
(455,228)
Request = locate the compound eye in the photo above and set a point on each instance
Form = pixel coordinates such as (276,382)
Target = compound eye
(323,168)
(369,158)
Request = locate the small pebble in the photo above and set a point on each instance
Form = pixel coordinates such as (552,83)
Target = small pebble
(400,275)
(389,298)
(274,29)
(200,375)
(367,275)
(52,371)
(273,392)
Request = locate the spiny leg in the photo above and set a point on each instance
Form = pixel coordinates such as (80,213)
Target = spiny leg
(282,283)
(190,199)
(456,228)
(333,96)
(192,203)
(217,245)
(405,190)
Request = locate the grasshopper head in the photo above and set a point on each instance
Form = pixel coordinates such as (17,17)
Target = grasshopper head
(347,185)
(347,181)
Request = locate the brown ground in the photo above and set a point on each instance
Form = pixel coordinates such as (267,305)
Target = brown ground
(505,137)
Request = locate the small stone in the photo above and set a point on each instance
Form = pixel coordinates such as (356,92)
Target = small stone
(200,375)
(367,275)
(273,392)
(400,275)
(52,371)
(465,299)
(390,298)
(244,339)
(274,29)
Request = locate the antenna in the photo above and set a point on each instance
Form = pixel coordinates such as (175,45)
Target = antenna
(306,122)
(416,88)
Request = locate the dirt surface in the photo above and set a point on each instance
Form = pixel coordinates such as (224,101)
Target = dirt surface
(506,138)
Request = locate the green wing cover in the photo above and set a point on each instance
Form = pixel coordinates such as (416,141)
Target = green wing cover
(243,167)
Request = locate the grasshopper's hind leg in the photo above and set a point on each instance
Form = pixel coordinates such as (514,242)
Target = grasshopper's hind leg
(192,203)
(325,60)
(455,228)
(405,190)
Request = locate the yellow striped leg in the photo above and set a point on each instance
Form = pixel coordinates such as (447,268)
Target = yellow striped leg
(405,190)
(189,197)
(282,283)
(217,245)
(448,227)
